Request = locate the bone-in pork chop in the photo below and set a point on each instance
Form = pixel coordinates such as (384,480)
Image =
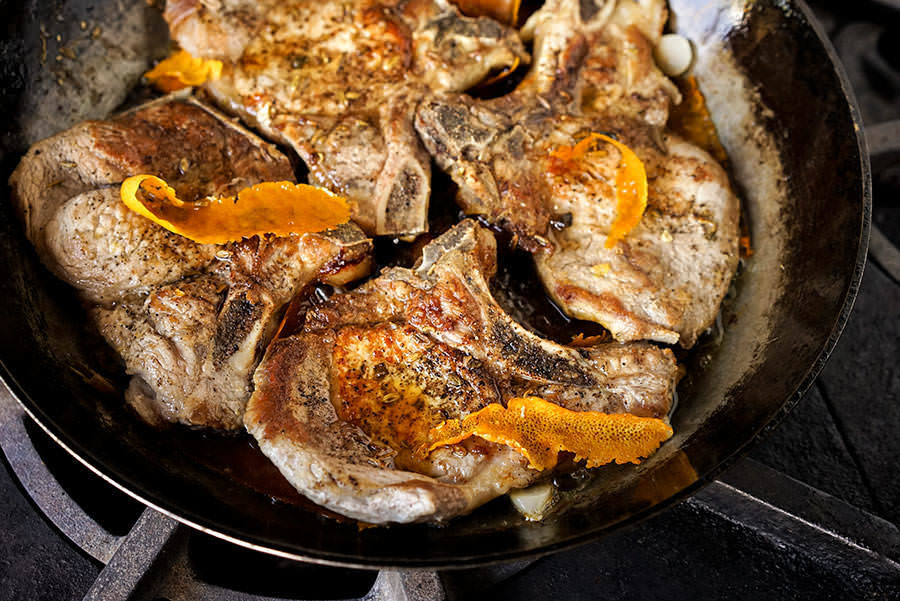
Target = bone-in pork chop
(665,280)
(600,52)
(96,243)
(189,320)
(339,82)
(341,406)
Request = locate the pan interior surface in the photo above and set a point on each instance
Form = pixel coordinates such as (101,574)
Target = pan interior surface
(783,114)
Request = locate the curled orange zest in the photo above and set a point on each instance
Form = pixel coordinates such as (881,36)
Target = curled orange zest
(505,11)
(539,430)
(580,340)
(277,208)
(631,183)
(181,70)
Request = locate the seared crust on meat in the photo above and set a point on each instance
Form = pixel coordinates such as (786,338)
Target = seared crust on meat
(341,406)
(190,320)
(593,72)
(665,280)
(176,138)
(339,82)
(334,462)
(192,345)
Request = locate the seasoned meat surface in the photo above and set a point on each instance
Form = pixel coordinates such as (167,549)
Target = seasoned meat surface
(339,82)
(342,405)
(189,320)
(336,464)
(597,55)
(665,280)
(188,144)
(192,344)
(107,251)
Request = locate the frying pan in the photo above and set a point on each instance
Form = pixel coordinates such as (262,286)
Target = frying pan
(798,158)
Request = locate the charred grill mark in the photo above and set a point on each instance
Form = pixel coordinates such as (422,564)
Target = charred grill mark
(532,359)
(234,324)
(342,261)
(516,143)
(587,9)
(458,125)
(569,66)
(450,25)
(408,192)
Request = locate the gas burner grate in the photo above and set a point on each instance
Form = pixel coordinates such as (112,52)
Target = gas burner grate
(160,560)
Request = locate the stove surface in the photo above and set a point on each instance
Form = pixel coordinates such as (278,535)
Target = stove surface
(811,513)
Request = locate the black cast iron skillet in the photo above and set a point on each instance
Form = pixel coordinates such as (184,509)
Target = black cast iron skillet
(792,131)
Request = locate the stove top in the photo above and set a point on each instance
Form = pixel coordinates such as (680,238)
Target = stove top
(811,513)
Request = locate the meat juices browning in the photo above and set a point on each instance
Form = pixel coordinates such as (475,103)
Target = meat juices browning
(339,82)
(593,72)
(189,320)
(341,406)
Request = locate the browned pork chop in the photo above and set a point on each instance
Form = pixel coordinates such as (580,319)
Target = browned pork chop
(339,82)
(342,406)
(665,280)
(192,344)
(598,54)
(188,144)
(190,320)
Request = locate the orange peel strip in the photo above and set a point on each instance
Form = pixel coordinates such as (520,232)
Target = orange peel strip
(276,208)
(181,70)
(631,183)
(539,430)
(580,340)
(505,11)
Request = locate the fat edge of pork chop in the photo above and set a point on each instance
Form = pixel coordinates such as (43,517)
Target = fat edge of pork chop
(339,82)
(666,279)
(340,407)
(188,319)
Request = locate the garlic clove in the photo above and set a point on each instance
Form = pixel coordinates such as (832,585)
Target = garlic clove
(533,502)
(674,54)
